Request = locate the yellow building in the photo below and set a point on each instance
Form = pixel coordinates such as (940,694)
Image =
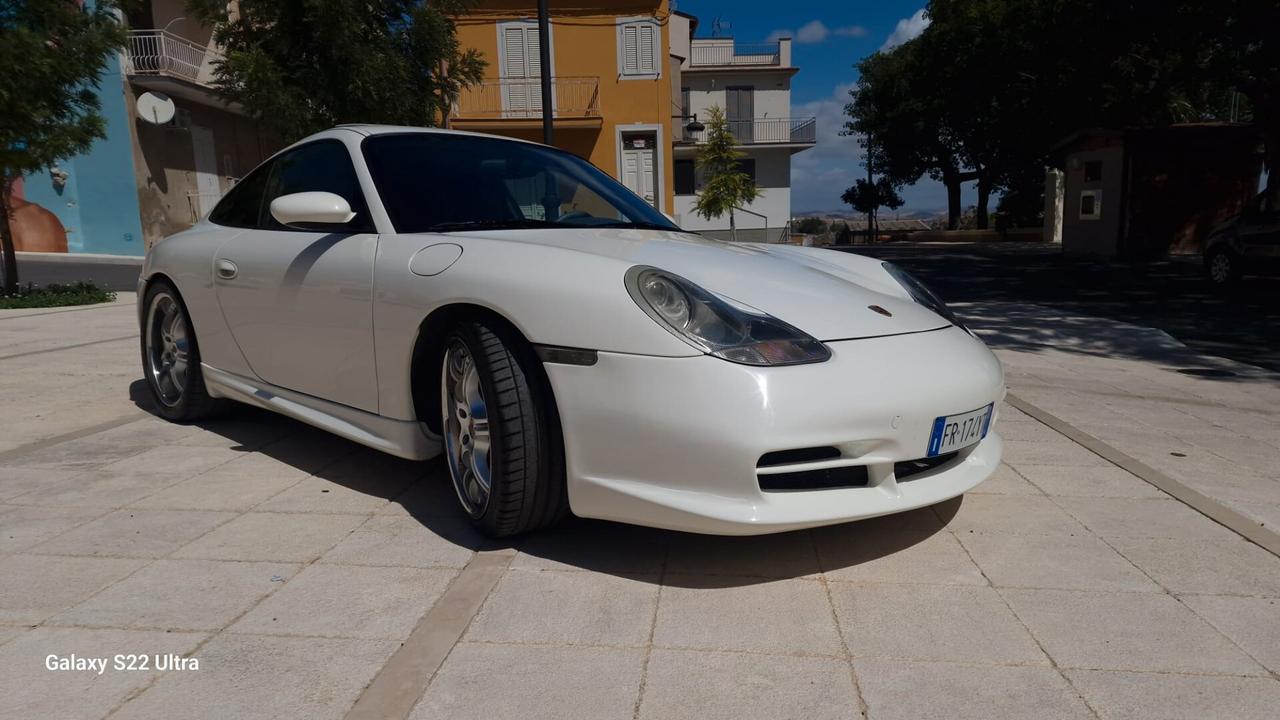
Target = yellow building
(611,84)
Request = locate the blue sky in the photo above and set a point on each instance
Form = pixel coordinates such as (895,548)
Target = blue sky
(828,39)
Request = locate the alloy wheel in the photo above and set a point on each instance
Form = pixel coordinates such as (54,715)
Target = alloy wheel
(1220,268)
(465,424)
(168,349)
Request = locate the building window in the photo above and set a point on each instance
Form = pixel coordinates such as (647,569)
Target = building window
(639,49)
(748,166)
(1090,204)
(684,103)
(684,172)
(1093,171)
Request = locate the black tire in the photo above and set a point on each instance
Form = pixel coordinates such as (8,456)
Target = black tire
(526,457)
(193,401)
(1222,266)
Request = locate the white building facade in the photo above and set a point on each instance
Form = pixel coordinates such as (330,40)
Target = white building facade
(752,84)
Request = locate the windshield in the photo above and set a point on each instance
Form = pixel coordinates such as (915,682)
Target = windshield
(437,182)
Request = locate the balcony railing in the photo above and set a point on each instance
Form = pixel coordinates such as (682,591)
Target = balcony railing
(515,98)
(727,53)
(160,52)
(764,131)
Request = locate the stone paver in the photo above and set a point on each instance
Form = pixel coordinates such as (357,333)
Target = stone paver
(906,690)
(520,682)
(1137,696)
(348,601)
(728,686)
(293,564)
(1126,631)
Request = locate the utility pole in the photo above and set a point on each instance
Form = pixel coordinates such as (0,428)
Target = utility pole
(544,70)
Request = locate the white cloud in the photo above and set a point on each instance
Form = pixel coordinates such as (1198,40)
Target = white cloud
(853,31)
(907,29)
(813,31)
(816,31)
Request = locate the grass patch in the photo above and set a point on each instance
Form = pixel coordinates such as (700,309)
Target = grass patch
(55,295)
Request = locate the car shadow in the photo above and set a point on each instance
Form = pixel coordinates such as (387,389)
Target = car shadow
(422,490)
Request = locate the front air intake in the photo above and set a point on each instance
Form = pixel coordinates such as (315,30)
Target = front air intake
(820,479)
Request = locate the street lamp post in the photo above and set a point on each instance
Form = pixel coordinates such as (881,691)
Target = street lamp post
(544,66)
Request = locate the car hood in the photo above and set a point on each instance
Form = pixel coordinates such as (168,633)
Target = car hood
(825,293)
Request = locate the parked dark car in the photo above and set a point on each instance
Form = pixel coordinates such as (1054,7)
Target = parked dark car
(1247,244)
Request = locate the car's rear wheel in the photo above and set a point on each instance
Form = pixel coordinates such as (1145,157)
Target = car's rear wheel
(1222,266)
(501,438)
(171,357)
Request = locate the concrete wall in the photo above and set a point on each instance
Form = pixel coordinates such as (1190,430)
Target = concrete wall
(773,177)
(164,164)
(1093,236)
(772,92)
(98,206)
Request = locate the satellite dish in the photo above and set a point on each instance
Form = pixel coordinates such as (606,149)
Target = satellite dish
(155,108)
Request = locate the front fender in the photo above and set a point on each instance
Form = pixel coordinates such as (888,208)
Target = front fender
(553,296)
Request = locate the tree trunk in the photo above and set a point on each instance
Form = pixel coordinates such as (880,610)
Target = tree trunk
(981,216)
(733,228)
(6,239)
(870,226)
(952,182)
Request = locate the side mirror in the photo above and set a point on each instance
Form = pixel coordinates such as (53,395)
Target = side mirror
(311,207)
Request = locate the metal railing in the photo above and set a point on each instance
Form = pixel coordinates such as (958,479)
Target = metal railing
(572,97)
(724,53)
(763,131)
(160,52)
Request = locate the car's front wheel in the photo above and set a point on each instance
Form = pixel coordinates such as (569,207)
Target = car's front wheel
(1222,266)
(171,357)
(501,436)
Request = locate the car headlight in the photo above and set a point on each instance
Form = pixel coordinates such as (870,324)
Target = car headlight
(923,295)
(717,325)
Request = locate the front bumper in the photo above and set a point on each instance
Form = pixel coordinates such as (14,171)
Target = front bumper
(674,442)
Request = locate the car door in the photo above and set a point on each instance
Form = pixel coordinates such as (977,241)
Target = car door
(1259,229)
(299,301)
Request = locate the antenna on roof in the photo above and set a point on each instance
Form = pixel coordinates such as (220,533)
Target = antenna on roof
(718,27)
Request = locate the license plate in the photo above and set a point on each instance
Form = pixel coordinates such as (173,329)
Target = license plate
(952,432)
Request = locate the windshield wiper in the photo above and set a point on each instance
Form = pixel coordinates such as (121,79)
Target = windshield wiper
(511,224)
(637,225)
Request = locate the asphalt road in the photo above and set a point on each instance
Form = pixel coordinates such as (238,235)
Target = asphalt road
(1241,323)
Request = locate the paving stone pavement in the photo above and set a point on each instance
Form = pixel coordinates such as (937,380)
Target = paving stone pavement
(292,565)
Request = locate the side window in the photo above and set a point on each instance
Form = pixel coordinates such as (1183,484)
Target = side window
(242,205)
(321,166)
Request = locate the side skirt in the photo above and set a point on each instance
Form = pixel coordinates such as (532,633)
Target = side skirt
(403,438)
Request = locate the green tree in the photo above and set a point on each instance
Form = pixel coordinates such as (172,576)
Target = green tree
(302,66)
(726,186)
(53,53)
(868,196)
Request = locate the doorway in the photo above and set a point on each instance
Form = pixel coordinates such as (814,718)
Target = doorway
(639,165)
(208,188)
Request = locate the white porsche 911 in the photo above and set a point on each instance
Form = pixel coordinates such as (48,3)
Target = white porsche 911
(564,344)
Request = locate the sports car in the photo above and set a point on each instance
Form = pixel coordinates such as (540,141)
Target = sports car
(564,345)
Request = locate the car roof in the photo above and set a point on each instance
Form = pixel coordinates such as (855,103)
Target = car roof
(367,129)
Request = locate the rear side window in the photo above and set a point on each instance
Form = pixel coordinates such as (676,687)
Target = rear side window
(322,166)
(242,205)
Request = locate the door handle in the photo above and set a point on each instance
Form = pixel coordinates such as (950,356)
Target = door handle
(225,269)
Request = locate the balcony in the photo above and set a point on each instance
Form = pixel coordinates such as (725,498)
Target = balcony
(517,102)
(165,62)
(762,131)
(723,53)
(161,53)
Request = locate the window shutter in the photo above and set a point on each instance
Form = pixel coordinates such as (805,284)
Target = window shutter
(630,50)
(513,47)
(647,51)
